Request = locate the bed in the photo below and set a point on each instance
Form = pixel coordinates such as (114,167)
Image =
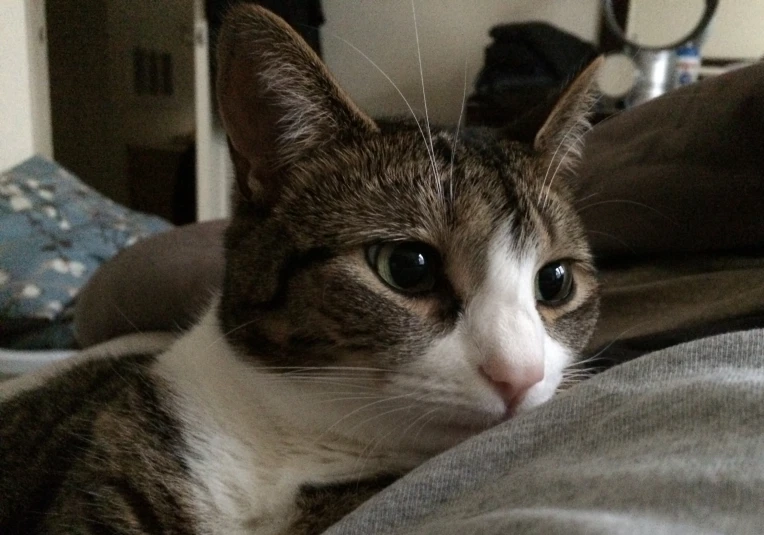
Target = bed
(669,438)
(55,232)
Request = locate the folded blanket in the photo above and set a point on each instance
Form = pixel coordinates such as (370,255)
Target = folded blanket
(55,231)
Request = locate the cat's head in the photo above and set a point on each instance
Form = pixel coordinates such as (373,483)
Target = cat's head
(417,281)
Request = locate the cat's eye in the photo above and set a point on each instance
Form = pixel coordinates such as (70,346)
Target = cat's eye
(406,266)
(554,283)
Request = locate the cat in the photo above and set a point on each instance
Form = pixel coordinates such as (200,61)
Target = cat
(388,293)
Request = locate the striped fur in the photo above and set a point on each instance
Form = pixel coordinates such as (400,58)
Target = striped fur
(310,383)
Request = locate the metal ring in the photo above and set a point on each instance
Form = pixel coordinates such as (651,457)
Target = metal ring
(614,27)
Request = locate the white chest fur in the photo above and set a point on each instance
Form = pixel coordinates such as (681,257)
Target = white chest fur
(246,461)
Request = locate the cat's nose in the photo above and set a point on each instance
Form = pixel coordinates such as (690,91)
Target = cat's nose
(512,380)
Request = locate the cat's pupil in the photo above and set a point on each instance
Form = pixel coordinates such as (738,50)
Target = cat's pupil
(554,283)
(407,266)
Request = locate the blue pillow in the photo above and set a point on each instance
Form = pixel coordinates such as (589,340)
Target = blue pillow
(54,233)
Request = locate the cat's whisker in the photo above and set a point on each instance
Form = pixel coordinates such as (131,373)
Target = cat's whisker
(417,419)
(613,237)
(317,381)
(563,161)
(349,398)
(390,80)
(226,334)
(323,368)
(438,182)
(456,135)
(125,317)
(582,199)
(577,130)
(426,423)
(582,362)
(630,202)
(365,407)
(339,374)
(382,414)
(318,372)
(368,451)
(549,168)
(617,338)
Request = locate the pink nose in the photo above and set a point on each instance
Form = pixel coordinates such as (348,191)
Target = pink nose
(512,381)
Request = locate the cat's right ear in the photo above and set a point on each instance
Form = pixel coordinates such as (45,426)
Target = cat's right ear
(277,100)
(559,141)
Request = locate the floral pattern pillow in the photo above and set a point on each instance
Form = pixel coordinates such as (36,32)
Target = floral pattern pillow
(54,233)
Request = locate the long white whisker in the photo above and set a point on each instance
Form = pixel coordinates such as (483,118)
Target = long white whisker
(395,86)
(349,398)
(456,135)
(612,237)
(424,424)
(634,203)
(420,417)
(549,167)
(223,336)
(317,381)
(582,199)
(324,368)
(571,132)
(571,147)
(438,183)
(363,407)
(384,413)
(368,450)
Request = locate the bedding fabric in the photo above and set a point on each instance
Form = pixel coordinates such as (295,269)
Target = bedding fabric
(672,442)
(54,232)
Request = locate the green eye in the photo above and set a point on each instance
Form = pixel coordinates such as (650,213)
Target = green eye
(554,283)
(405,266)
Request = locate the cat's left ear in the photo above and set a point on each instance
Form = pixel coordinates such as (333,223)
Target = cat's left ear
(278,101)
(559,140)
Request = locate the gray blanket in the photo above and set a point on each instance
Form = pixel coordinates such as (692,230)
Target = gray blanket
(672,442)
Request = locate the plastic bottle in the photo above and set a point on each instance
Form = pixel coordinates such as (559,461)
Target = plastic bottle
(687,67)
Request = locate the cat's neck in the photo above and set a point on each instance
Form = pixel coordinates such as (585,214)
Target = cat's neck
(245,434)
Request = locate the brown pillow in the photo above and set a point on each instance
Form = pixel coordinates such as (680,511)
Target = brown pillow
(672,196)
(161,283)
(682,173)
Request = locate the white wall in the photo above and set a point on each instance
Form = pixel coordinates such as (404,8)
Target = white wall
(214,170)
(39,81)
(24,100)
(450,33)
(737,30)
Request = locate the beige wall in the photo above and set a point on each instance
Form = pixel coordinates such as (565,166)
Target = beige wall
(737,30)
(24,99)
(450,33)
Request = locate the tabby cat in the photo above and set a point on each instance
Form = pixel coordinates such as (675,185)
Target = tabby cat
(389,292)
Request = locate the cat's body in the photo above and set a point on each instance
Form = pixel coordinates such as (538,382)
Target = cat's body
(388,293)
